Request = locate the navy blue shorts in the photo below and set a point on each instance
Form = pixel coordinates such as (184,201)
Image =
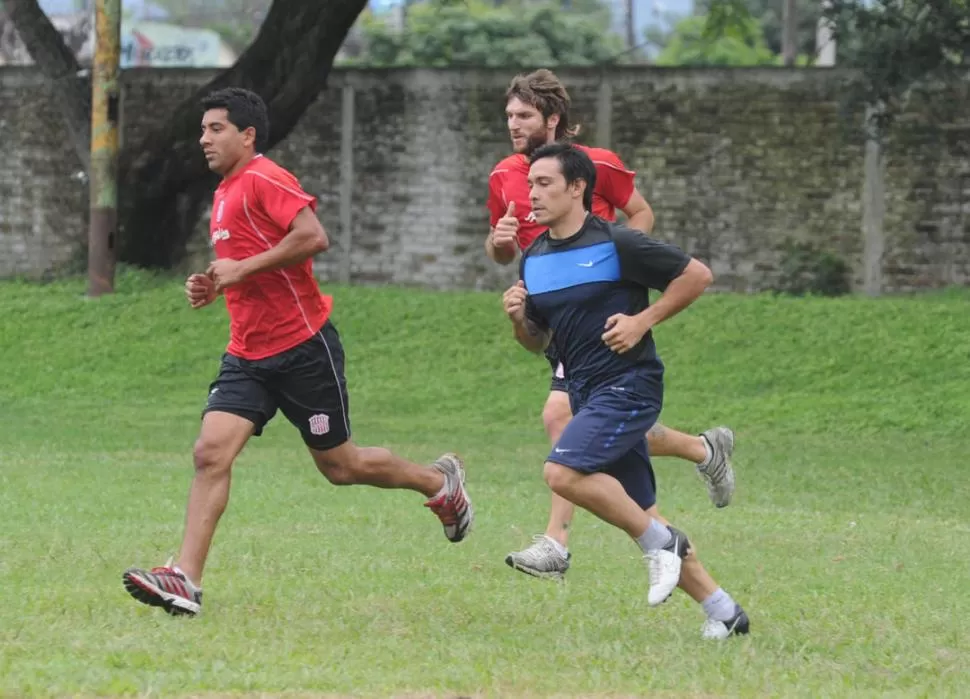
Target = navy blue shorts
(607,433)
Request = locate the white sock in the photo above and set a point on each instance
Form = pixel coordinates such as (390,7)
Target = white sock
(187,578)
(709,450)
(720,606)
(443,490)
(560,549)
(655,537)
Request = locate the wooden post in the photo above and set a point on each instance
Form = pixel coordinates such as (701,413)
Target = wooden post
(873,204)
(103,224)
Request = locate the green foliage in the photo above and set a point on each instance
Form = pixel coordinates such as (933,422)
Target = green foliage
(894,44)
(898,43)
(444,33)
(808,269)
(740,44)
(769,14)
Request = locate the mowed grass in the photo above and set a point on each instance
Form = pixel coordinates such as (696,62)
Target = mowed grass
(847,541)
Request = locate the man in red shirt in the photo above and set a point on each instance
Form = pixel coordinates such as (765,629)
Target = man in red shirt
(537,109)
(283,353)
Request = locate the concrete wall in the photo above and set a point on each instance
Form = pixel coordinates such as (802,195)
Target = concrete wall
(735,162)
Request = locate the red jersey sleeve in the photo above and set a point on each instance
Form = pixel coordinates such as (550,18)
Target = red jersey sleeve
(614,182)
(497,205)
(281,198)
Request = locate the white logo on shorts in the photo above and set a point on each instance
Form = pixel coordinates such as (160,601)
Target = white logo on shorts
(319,424)
(560,371)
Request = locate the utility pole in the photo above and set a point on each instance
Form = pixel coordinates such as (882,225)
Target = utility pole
(103,224)
(789,40)
(631,28)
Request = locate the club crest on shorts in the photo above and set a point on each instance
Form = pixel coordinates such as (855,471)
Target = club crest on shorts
(319,424)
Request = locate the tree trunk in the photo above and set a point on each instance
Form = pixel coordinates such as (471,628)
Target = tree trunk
(166,180)
(72,86)
(163,179)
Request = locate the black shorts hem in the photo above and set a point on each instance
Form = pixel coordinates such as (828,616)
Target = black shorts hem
(256,417)
(318,444)
(558,384)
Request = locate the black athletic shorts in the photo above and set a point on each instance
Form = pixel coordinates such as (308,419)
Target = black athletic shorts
(306,383)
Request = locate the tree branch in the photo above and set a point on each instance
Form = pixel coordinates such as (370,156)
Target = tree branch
(166,176)
(57,63)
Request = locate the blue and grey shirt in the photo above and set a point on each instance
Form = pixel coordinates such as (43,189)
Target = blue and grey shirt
(576,283)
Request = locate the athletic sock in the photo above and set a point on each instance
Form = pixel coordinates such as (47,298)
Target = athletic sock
(560,549)
(710,452)
(720,606)
(655,537)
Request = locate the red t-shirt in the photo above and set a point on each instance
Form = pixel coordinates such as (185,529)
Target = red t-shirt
(273,311)
(509,182)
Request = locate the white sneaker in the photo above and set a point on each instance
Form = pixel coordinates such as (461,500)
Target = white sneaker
(738,625)
(663,567)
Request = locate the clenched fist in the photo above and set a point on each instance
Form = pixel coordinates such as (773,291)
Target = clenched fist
(513,300)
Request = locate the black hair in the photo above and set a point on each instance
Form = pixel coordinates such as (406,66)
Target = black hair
(244,109)
(575,165)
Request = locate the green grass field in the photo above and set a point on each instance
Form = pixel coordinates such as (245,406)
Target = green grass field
(847,541)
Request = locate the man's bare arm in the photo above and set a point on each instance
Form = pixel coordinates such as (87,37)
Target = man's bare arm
(530,336)
(680,293)
(639,213)
(503,255)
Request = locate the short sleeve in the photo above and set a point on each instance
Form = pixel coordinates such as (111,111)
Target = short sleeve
(614,182)
(532,313)
(281,199)
(496,199)
(648,262)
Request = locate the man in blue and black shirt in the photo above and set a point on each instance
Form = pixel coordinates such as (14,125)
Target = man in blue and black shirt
(584,285)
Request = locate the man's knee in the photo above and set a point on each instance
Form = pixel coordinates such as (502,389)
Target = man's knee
(656,436)
(559,478)
(222,437)
(556,414)
(212,457)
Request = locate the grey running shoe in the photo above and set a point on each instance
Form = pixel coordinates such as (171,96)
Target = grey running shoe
(719,474)
(453,506)
(542,559)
